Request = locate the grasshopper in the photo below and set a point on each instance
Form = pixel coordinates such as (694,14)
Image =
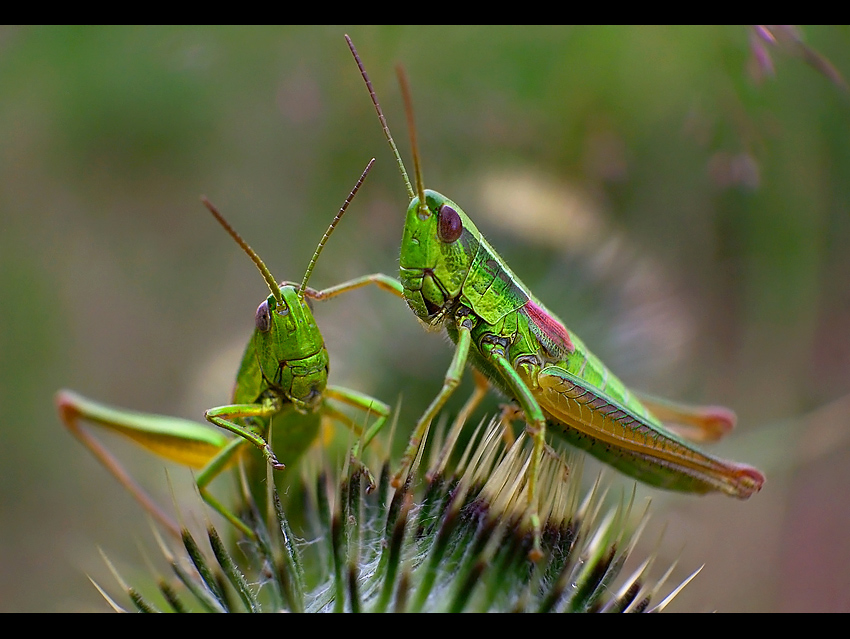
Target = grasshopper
(453,279)
(282,379)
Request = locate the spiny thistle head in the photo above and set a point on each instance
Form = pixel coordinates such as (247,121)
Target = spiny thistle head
(445,541)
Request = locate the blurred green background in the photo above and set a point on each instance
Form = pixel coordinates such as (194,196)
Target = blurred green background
(685,212)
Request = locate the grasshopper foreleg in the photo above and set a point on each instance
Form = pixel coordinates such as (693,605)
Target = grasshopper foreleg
(363,403)
(366,404)
(493,347)
(222,417)
(384,282)
(482,385)
(453,376)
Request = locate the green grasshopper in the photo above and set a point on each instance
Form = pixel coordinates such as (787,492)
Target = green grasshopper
(282,378)
(452,278)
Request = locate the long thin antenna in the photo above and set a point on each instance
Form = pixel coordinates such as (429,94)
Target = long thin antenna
(256,258)
(333,226)
(411,125)
(386,129)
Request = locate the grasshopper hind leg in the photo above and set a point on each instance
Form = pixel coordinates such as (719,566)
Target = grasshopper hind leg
(181,441)
(71,411)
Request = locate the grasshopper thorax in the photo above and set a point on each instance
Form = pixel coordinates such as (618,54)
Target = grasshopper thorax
(290,350)
(437,250)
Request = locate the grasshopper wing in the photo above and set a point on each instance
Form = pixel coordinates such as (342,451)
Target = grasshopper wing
(638,445)
(696,423)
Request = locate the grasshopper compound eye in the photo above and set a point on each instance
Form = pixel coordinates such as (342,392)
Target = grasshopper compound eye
(263,319)
(450,227)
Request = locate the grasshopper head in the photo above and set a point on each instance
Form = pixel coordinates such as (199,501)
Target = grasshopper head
(437,249)
(290,349)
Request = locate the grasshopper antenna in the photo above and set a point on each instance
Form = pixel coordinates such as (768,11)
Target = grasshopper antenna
(254,257)
(332,227)
(386,129)
(411,125)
